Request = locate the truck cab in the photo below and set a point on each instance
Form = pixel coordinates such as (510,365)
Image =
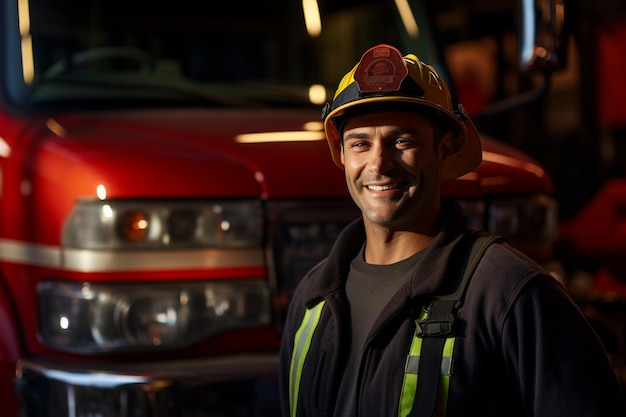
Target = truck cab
(165,184)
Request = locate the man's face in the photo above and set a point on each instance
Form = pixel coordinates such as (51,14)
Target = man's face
(392,168)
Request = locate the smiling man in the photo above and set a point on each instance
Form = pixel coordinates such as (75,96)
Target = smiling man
(411,313)
(391,162)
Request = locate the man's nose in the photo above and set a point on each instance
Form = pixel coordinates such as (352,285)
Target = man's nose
(381,159)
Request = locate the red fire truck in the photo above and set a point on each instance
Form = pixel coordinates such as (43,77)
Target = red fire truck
(164,184)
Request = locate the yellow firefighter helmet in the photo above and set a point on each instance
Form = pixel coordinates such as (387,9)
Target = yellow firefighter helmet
(385,80)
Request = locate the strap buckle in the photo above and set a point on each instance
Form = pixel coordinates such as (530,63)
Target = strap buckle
(435,327)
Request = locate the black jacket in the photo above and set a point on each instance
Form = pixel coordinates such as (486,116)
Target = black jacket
(523,347)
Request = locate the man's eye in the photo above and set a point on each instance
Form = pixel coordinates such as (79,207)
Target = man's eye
(403,142)
(358,144)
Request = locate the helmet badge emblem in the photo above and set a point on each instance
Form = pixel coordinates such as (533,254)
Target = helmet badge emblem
(380,70)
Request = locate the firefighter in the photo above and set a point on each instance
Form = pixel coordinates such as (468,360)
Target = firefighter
(406,316)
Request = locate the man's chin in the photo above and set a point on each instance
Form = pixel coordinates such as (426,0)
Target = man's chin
(381,217)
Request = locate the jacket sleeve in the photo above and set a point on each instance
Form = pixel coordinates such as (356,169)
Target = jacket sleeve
(555,358)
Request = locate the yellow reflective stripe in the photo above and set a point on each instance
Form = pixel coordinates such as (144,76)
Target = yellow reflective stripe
(446,360)
(302,343)
(448,348)
(409,383)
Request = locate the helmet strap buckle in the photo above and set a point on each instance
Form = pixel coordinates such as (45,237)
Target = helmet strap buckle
(326,111)
(461,113)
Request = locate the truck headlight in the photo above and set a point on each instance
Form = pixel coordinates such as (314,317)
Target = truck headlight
(523,218)
(93,318)
(120,224)
(529,223)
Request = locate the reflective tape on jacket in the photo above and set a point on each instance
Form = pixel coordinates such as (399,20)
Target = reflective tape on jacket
(302,343)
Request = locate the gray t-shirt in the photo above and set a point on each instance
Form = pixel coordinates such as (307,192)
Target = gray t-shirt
(369,289)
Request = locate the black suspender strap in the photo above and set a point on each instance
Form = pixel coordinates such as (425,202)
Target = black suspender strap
(439,324)
(434,329)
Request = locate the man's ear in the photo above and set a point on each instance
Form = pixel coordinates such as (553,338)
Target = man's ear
(445,151)
(447,146)
(341,155)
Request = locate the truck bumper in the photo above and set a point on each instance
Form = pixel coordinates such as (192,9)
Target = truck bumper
(245,385)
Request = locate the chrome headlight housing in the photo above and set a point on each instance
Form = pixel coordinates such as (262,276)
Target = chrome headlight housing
(516,218)
(99,318)
(524,218)
(121,224)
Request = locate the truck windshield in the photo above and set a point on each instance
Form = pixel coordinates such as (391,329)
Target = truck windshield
(250,53)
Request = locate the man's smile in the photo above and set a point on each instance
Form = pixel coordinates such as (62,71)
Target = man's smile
(389,186)
(382,187)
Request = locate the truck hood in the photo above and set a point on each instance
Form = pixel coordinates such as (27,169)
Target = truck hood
(504,171)
(194,153)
